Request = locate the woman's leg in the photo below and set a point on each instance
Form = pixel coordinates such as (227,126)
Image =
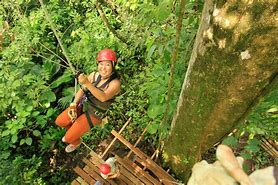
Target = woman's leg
(63,120)
(79,128)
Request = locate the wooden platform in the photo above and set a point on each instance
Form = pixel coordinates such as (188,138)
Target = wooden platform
(139,170)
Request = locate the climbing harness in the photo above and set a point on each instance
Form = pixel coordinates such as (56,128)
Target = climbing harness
(91,105)
(86,111)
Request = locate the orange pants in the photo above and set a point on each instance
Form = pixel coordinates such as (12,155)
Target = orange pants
(76,129)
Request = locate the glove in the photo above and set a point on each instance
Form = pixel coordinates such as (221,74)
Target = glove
(72,112)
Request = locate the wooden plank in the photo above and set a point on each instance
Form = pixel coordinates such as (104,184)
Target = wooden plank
(159,175)
(95,159)
(121,180)
(75,182)
(147,175)
(94,175)
(81,181)
(136,170)
(146,161)
(132,179)
(84,175)
(114,140)
(94,171)
(137,142)
(270,147)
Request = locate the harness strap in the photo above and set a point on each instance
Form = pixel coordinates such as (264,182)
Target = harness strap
(85,103)
(112,77)
(89,119)
(85,110)
(97,81)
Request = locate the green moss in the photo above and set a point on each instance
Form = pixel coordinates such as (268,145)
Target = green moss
(220,3)
(235,7)
(257,10)
(245,40)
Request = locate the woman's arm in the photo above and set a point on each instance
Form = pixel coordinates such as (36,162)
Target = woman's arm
(110,92)
(78,96)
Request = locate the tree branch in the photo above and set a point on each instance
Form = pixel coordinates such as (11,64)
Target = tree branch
(107,24)
(173,61)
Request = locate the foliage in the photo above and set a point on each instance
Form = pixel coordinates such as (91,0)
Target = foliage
(21,171)
(36,83)
(263,120)
(260,123)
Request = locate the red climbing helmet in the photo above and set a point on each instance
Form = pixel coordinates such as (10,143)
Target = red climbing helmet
(107,54)
(104,169)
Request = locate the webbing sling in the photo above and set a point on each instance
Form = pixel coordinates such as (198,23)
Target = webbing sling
(95,83)
(85,110)
(85,104)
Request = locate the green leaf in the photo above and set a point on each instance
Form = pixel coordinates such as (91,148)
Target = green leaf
(254,142)
(5,133)
(14,129)
(5,154)
(163,10)
(51,67)
(154,111)
(28,141)
(253,145)
(150,53)
(245,155)
(23,114)
(36,133)
(230,141)
(273,110)
(35,114)
(29,108)
(22,141)
(66,77)
(36,70)
(50,112)
(46,105)
(41,120)
(153,128)
(252,148)
(48,95)
(16,84)
(14,138)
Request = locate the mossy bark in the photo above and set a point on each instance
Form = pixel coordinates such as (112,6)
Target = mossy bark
(234,60)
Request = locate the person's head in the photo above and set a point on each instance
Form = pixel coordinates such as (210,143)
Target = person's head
(106,61)
(104,170)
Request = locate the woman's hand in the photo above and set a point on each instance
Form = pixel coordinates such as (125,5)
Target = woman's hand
(83,79)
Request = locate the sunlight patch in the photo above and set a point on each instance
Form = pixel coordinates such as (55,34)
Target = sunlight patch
(245,55)
(208,33)
(177,159)
(222,43)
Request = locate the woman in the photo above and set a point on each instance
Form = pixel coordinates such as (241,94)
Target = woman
(91,101)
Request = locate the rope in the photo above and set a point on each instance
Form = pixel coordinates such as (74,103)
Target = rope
(57,37)
(60,43)
(87,146)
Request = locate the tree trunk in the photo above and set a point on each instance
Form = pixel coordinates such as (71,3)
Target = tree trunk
(234,60)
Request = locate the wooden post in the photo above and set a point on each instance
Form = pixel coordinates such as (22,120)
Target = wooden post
(114,140)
